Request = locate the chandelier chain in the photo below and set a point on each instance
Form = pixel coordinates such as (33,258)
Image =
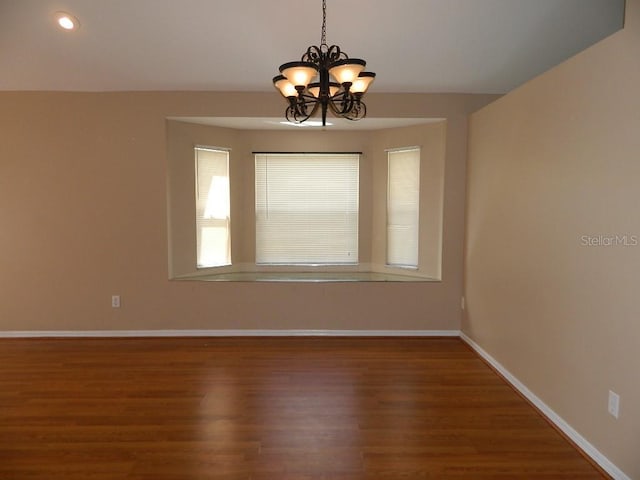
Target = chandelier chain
(323,38)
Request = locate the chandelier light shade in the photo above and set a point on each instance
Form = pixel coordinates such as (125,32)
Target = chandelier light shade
(325,78)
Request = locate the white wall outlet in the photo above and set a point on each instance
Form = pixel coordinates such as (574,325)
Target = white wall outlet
(462,303)
(614,404)
(115,301)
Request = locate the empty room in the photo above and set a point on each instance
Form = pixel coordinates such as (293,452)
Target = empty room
(319,239)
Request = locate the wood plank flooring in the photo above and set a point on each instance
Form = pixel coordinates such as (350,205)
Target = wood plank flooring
(268,408)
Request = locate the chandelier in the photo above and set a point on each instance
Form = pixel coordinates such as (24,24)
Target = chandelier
(324,78)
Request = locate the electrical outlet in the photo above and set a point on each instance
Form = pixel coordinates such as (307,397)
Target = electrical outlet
(115,301)
(614,404)
(462,303)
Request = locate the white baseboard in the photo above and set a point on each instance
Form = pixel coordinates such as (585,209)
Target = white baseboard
(226,333)
(552,416)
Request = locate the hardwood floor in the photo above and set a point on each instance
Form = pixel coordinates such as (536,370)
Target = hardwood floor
(268,408)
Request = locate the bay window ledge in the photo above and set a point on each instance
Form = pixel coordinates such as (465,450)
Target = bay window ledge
(321,275)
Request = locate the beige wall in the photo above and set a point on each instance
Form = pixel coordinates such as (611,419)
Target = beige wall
(83,206)
(549,163)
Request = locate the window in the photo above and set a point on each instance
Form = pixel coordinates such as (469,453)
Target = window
(212,207)
(307,208)
(403,197)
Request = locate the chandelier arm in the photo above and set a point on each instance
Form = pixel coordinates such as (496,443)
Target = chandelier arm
(303,117)
(313,54)
(323,55)
(342,103)
(338,107)
(358,112)
(298,111)
(350,108)
(334,54)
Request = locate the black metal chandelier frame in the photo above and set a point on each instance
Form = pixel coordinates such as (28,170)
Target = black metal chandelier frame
(342,97)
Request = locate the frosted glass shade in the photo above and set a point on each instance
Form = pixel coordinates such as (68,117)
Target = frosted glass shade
(299,73)
(286,88)
(347,70)
(361,84)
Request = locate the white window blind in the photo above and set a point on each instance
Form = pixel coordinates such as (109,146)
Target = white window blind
(403,197)
(307,208)
(212,208)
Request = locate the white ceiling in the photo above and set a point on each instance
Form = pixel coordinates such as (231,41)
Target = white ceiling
(471,46)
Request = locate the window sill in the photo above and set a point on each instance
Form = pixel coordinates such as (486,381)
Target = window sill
(305,277)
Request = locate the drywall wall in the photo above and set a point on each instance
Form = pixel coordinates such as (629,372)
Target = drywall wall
(83,204)
(552,253)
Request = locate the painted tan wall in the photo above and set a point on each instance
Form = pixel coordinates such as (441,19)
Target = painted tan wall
(552,162)
(83,208)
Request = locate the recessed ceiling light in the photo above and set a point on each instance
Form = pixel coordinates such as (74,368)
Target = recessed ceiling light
(67,21)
